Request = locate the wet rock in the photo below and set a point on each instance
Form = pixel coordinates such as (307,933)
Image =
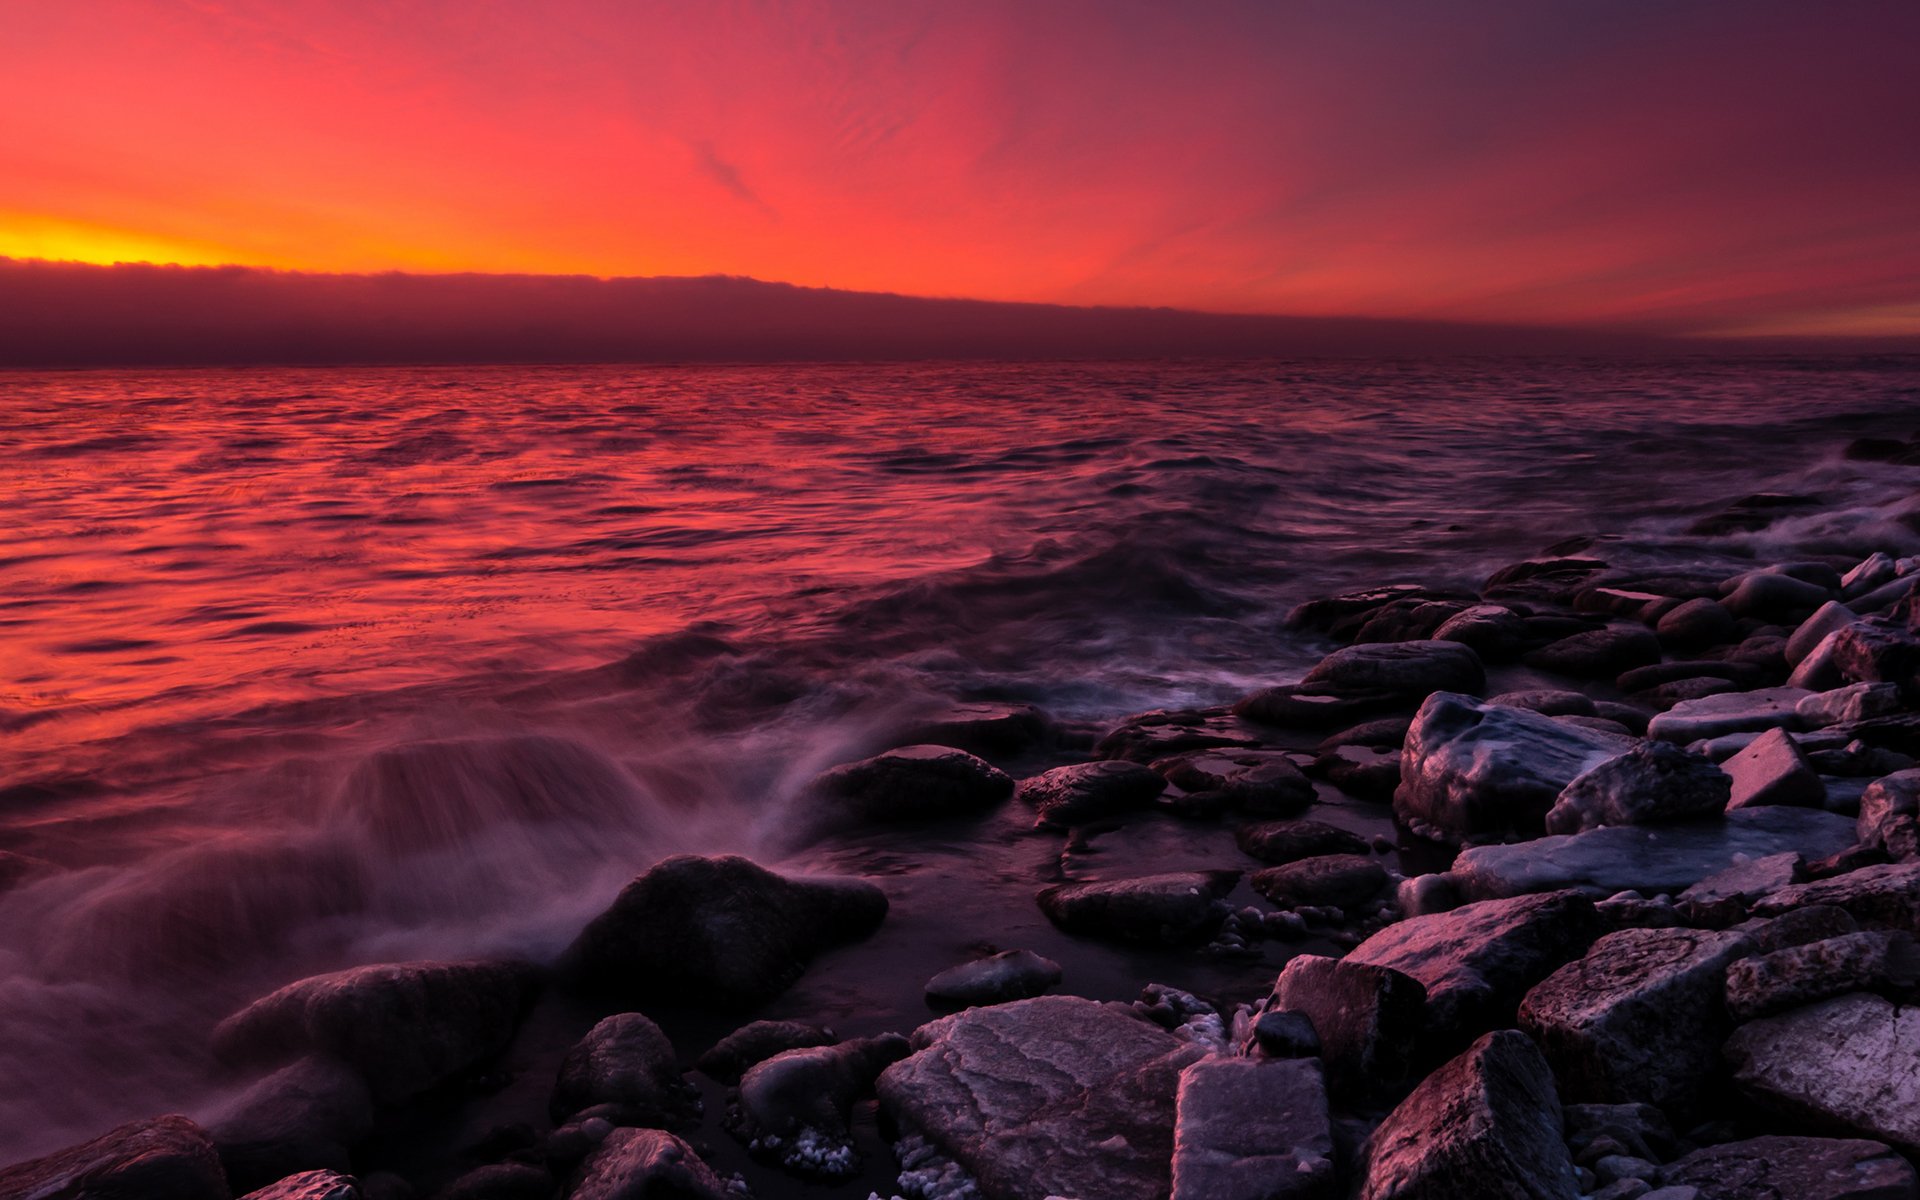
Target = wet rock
(1732,712)
(1151,736)
(1853,702)
(1367,1019)
(718,931)
(1839,1063)
(1412,670)
(1599,653)
(1493,631)
(1478,960)
(1803,1168)
(1648,859)
(1548,702)
(1245,1129)
(1885,961)
(1487,1124)
(1290,841)
(1554,578)
(1749,880)
(1774,770)
(1875,570)
(1745,675)
(1336,880)
(315,1185)
(982,727)
(1279,1033)
(625,1062)
(1774,597)
(1639,1018)
(795,1108)
(913,783)
(996,979)
(1316,706)
(1170,909)
(1055,1096)
(1381,733)
(1263,781)
(303,1117)
(1886,896)
(1652,783)
(1361,772)
(1638,1129)
(1352,609)
(644,1164)
(1797,928)
(1876,650)
(1472,767)
(1890,815)
(1083,792)
(166,1158)
(730,1057)
(501,1181)
(1697,622)
(1630,717)
(1405,620)
(404,1027)
(1829,618)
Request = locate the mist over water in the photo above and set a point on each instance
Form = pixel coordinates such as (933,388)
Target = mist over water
(302,669)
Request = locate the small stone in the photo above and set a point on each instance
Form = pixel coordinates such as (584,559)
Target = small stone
(1170,909)
(996,979)
(732,1055)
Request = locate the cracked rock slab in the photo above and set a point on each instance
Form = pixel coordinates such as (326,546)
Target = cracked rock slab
(1846,1062)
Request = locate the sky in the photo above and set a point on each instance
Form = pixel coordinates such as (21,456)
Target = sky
(1701,167)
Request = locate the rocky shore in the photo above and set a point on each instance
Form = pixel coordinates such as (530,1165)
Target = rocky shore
(1644,928)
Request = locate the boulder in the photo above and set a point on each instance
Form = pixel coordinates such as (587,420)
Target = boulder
(1361,772)
(1413,670)
(304,1117)
(796,1108)
(1367,1019)
(730,1057)
(1598,653)
(982,727)
(1152,736)
(1637,1129)
(1890,815)
(1844,705)
(1885,896)
(1485,1125)
(1263,781)
(718,931)
(913,783)
(1478,960)
(1280,1033)
(1773,596)
(1882,961)
(1083,792)
(1316,705)
(1170,909)
(1248,1129)
(645,1164)
(403,1027)
(1493,631)
(1749,879)
(1774,770)
(1290,841)
(166,1158)
(1055,1096)
(1331,880)
(1829,618)
(1800,1168)
(1472,767)
(1730,712)
(1842,1063)
(313,1185)
(1639,1018)
(996,979)
(1697,622)
(1652,783)
(1876,650)
(625,1062)
(1549,702)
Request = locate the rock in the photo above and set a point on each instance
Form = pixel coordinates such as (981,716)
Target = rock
(303,1117)
(1599,724)
(404,1027)
(1405,620)
(1486,1125)
(1876,570)
(1629,717)
(1478,960)
(1829,618)
(996,979)
(1638,1129)
(1697,622)
(1885,961)
(1890,815)
(1732,712)
(1151,736)
(1353,608)
(1548,702)
(625,1062)
(1803,1168)
(166,1158)
(1876,650)
(1774,597)
(501,1181)
(1334,880)
(796,1107)
(1315,705)
(314,1185)
(730,1057)
(913,783)
(1290,841)
(1381,733)
(1652,783)
(1599,653)
(982,727)
(1169,909)
(1555,578)
(1886,896)
(1748,880)
(1774,770)
(1844,1063)
(645,1164)
(1818,671)
(1797,928)
(1279,1033)
(720,931)
(1639,1018)
(1055,1096)
(1745,675)
(1094,791)
(1649,859)
(1413,670)
(1472,767)
(1255,780)
(1245,1129)
(1853,702)
(1361,772)
(1368,1019)
(1493,631)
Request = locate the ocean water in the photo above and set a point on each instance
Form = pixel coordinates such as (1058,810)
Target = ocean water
(307,668)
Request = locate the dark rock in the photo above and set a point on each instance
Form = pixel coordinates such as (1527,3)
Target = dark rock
(996,979)
(1255,780)
(1478,960)
(303,1117)
(1381,733)
(404,1027)
(1842,1063)
(1885,961)
(1169,909)
(1775,597)
(983,728)
(730,1057)
(1316,706)
(1599,724)
(1639,1018)
(1849,703)
(501,1181)
(1697,622)
(1279,1033)
(796,1108)
(1150,736)
(316,1185)
(1638,1129)
(1405,620)
(1487,1124)
(1651,783)
(1290,841)
(1409,669)
(1794,1168)
(1083,792)
(1890,815)
(1745,675)
(1733,712)
(1336,880)
(166,1158)
(1368,1019)
(1551,579)
(1774,770)
(1630,717)
(1361,772)
(1355,607)
(1799,927)
(625,1062)
(1876,650)
(1879,897)
(1549,702)
(1600,653)
(720,931)
(913,783)
(1829,618)
(1747,881)
(647,1164)
(1494,632)
(1247,1129)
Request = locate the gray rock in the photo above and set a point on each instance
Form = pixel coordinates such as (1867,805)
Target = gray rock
(1844,1062)
(311,1185)
(1749,880)
(1697,622)
(1652,783)
(1083,792)
(304,1117)
(403,1027)
(1639,1018)
(1485,1125)
(647,1164)
(1055,1096)
(166,1158)
(1333,880)
(1290,841)
(1730,712)
(1794,1168)
(1169,909)
(1882,961)
(1886,896)
(1890,815)
(796,1108)
(1410,669)
(1477,961)
(913,783)
(1472,767)
(729,1058)
(626,1062)
(720,931)
(1852,702)
(1774,770)
(1368,1019)
(996,979)
(1246,1129)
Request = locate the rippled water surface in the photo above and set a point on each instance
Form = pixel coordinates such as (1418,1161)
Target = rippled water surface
(300,668)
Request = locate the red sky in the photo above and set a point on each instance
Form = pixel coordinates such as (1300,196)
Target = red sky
(1743,166)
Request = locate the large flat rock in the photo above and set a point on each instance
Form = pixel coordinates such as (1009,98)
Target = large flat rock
(1844,1062)
(1253,1129)
(167,1158)
(1794,1168)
